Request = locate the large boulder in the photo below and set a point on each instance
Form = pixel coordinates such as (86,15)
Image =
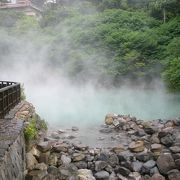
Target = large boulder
(174,174)
(78,157)
(157,177)
(165,163)
(136,146)
(85,174)
(30,161)
(44,146)
(168,140)
(100,165)
(109,118)
(102,175)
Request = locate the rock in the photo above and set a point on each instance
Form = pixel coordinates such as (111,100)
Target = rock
(109,169)
(174,174)
(175,149)
(165,163)
(150,130)
(147,166)
(125,156)
(143,156)
(80,147)
(44,157)
(61,131)
(113,160)
(154,170)
(141,132)
(52,160)
(53,170)
(44,146)
(48,177)
(168,140)
(161,134)
(74,128)
(41,166)
(100,138)
(55,135)
(35,152)
(137,146)
(104,175)
(145,177)
(78,157)
(127,164)
(106,130)
(109,119)
(121,177)
(113,176)
(134,176)
(132,132)
(177,162)
(103,156)
(154,139)
(91,166)
(70,136)
(30,161)
(81,164)
(36,174)
(64,173)
(89,158)
(116,123)
(156,149)
(118,149)
(85,174)
(177,122)
(176,156)
(65,159)
(157,177)
(123,171)
(100,165)
(136,166)
(60,147)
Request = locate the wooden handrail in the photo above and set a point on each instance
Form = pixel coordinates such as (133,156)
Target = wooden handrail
(10,95)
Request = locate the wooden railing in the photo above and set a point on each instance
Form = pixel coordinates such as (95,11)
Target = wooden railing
(10,94)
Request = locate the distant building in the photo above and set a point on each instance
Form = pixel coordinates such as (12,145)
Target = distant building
(30,7)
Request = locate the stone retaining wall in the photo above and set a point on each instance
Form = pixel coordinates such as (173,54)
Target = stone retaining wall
(12,150)
(12,143)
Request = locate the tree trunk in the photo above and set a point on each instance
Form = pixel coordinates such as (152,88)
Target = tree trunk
(164,15)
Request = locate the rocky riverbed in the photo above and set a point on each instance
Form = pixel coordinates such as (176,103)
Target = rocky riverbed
(142,151)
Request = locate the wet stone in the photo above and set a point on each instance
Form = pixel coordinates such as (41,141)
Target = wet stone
(175,149)
(137,166)
(174,174)
(165,163)
(157,176)
(168,140)
(100,165)
(123,171)
(102,175)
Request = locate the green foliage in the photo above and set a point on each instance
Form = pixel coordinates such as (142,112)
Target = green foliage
(9,18)
(125,39)
(26,24)
(172,74)
(35,125)
(30,132)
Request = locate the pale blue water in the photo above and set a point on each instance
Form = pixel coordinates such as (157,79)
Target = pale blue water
(68,106)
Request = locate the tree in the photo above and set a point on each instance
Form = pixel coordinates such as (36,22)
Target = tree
(172,74)
(163,7)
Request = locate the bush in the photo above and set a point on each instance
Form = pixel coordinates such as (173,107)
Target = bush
(36,124)
(31,131)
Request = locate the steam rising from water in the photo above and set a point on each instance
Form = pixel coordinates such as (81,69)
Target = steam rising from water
(64,104)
